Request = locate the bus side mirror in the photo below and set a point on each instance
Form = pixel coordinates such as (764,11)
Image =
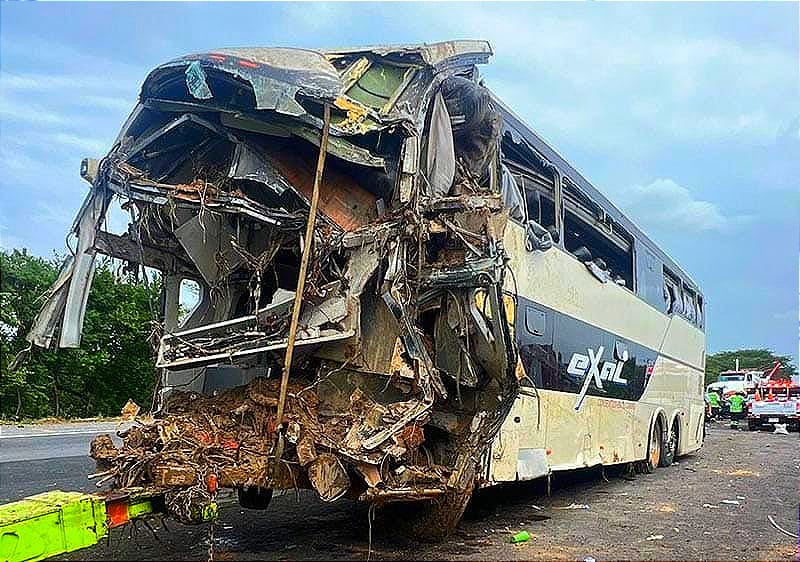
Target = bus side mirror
(537,237)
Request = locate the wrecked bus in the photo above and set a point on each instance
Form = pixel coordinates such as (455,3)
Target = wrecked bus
(404,292)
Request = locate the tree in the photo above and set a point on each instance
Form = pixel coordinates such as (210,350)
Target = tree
(749,359)
(113,363)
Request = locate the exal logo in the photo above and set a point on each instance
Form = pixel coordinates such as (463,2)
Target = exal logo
(590,367)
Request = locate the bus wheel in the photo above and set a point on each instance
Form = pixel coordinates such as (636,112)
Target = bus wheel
(655,448)
(670,447)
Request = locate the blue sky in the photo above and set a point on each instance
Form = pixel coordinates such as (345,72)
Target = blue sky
(686,115)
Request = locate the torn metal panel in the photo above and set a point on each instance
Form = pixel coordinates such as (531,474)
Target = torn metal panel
(127,248)
(65,305)
(441,157)
(248,164)
(276,75)
(210,243)
(434,54)
(42,332)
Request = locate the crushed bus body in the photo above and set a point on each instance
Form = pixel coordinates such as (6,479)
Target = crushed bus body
(444,325)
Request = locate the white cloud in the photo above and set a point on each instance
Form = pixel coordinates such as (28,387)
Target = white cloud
(86,144)
(25,112)
(785,315)
(55,82)
(665,204)
(633,81)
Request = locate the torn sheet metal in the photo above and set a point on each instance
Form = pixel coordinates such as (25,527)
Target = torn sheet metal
(210,243)
(277,75)
(441,157)
(65,305)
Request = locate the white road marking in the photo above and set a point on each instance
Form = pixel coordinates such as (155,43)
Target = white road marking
(55,434)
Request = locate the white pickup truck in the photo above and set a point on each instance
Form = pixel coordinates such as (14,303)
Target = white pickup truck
(775,403)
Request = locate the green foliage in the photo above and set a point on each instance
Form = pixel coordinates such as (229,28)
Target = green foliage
(114,362)
(749,359)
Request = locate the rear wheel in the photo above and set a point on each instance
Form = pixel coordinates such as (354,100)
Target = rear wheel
(655,448)
(752,426)
(670,447)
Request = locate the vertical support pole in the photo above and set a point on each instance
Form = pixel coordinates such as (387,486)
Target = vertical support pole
(301,280)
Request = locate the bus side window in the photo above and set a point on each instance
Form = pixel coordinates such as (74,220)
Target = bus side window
(512,196)
(699,311)
(689,305)
(649,276)
(590,242)
(672,293)
(536,181)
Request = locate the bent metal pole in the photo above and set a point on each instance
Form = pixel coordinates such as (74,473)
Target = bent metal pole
(301,279)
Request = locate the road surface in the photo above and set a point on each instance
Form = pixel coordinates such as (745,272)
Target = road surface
(678,513)
(40,457)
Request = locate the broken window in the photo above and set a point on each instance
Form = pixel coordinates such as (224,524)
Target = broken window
(700,311)
(537,182)
(512,196)
(189,298)
(673,297)
(689,304)
(592,237)
(476,127)
(376,84)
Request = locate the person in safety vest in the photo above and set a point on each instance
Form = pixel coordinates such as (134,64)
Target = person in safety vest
(736,404)
(713,400)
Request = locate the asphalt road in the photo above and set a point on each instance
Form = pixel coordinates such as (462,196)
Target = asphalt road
(712,505)
(42,457)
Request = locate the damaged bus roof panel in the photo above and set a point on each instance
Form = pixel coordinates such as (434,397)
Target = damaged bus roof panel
(267,78)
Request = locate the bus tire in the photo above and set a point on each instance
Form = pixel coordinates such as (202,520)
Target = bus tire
(655,448)
(670,447)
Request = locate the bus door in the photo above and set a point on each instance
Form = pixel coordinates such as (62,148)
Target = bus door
(519,451)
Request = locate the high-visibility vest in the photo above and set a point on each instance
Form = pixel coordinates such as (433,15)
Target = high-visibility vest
(737,403)
(713,399)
